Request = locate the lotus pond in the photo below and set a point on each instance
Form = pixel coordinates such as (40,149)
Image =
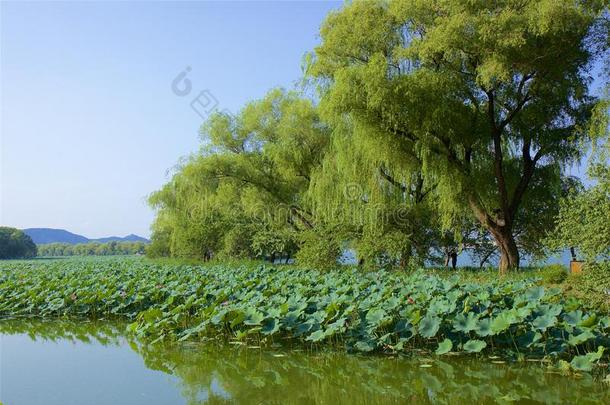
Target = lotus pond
(380,314)
(65,362)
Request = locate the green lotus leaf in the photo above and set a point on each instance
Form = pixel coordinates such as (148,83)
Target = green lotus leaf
(534,293)
(465,323)
(429,325)
(270,326)
(588,321)
(444,347)
(543,322)
(585,363)
(365,346)
(290,319)
(391,303)
(254,318)
(573,318)
(529,338)
(316,336)
(483,327)
(576,340)
(440,305)
(522,313)
(303,328)
(402,325)
(338,325)
(375,316)
(474,346)
(502,322)
(152,314)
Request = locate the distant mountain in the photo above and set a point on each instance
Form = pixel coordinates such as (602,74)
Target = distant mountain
(129,238)
(48,235)
(41,236)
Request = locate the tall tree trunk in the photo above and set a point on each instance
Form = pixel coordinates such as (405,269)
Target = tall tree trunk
(509,253)
(502,234)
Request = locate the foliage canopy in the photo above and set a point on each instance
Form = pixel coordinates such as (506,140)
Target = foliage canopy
(15,244)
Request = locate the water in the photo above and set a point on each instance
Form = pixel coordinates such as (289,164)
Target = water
(94,363)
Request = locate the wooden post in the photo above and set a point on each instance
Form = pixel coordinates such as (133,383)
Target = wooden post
(575,266)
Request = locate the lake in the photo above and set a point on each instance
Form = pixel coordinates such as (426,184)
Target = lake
(63,362)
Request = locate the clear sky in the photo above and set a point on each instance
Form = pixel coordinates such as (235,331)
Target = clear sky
(89,122)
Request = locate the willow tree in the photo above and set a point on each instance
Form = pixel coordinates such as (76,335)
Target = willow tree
(242,195)
(491,97)
(378,205)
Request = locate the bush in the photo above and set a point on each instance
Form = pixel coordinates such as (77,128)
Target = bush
(319,249)
(554,274)
(592,286)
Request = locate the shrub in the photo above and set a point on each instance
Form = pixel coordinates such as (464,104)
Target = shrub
(592,286)
(554,274)
(319,249)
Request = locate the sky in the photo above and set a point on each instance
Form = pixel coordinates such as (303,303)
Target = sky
(94,112)
(90,121)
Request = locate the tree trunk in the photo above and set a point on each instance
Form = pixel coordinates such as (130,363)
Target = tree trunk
(485,258)
(502,234)
(573,253)
(509,253)
(405,256)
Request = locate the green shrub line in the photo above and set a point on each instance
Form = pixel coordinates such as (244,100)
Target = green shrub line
(381,311)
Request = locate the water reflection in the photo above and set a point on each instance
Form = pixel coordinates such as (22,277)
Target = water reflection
(212,373)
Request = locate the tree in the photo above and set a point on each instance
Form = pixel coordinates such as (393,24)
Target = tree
(489,97)
(584,215)
(249,178)
(15,244)
(91,249)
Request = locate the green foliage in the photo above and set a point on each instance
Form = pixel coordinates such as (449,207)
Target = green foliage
(585,363)
(243,195)
(474,346)
(15,244)
(444,347)
(584,223)
(592,286)
(91,249)
(483,102)
(554,274)
(364,311)
(274,243)
(272,375)
(320,248)
(280,375)
(438,128)
(584,216)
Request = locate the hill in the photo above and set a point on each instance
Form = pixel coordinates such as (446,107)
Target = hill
(42,236)
(129,238)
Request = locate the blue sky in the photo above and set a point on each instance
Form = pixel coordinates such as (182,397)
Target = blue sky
(90,125)
(89,122)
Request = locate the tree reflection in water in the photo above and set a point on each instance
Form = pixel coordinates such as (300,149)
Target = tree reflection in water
(219,373)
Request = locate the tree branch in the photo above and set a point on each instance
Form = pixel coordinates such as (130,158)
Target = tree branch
(498,158)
